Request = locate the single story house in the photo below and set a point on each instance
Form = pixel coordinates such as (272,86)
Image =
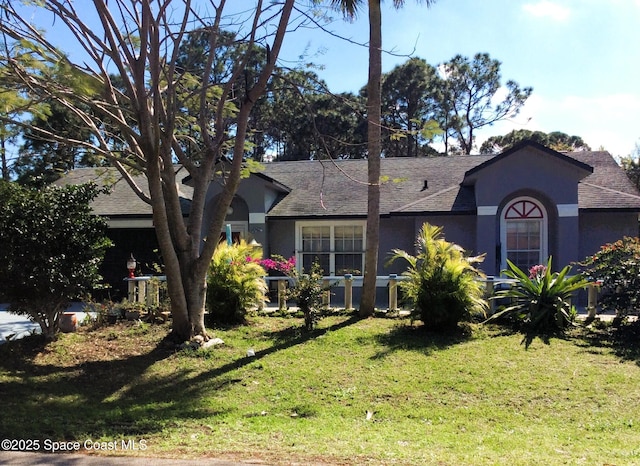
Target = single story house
(525,204)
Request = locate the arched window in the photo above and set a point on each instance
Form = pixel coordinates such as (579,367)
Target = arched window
(524,233)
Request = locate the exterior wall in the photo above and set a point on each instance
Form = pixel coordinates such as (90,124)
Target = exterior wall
(458,229)
(395,233)
(531,169)
(599,228)
(282,238)
(547,179)
(254,198)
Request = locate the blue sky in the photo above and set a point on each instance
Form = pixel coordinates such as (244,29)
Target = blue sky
(581,57)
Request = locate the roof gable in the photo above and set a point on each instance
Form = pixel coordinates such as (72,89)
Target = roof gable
(472,175)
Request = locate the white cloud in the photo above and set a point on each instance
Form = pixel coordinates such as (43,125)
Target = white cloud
(608,121)
(547,9)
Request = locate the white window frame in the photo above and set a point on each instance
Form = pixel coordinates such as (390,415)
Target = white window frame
(332,253)
(544,229)
(237,226)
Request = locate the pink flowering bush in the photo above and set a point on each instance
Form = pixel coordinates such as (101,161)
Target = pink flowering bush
(278,264)
(307,291)
(617,267)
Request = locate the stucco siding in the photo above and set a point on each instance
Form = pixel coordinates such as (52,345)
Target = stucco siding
(401,233)
(282,238)
(598,228)
(395,233)
(529,169)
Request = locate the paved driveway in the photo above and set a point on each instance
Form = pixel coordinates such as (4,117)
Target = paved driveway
(13,326)
(53,459)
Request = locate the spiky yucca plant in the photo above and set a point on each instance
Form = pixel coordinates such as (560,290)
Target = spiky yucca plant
(541,301)
(441,281)
(235,283)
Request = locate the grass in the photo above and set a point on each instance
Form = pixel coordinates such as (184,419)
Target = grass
(373,391)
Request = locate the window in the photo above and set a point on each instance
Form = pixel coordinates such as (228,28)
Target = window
(338,246)
(524,233)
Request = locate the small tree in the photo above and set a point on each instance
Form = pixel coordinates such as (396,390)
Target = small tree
(52,246)
(442,281)
(146,110)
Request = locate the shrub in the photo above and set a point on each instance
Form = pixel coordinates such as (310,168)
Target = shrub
(235,283)
(540,300)
(307,290)
(441,281)
(307,293)
(617,267)
(51,248)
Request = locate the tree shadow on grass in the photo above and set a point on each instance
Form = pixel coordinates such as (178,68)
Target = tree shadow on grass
(283,339)
(120,398)
(623,340)
(98,399)
(409,337)
(297,334)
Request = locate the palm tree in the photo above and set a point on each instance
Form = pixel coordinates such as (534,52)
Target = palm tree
(350,8)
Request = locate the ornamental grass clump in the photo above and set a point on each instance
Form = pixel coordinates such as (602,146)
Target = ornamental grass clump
(235,283)
(442,282)
(540,301)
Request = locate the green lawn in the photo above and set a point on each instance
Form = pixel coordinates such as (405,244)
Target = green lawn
(374,391)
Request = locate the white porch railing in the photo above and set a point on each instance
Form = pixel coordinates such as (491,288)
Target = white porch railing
(147,289)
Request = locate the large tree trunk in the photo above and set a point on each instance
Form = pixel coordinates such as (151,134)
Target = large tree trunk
(368,301)
(143,110)
(186,276)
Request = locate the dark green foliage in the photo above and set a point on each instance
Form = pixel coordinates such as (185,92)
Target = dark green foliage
(52,246)
(555,140)
(235,283)
(617,266)
(43,160)
(631,165)
(409,104)
(468,98)
(442,281)
(540,301)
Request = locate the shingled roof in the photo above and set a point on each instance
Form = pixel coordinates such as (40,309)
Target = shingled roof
(121,202)
(426,185)
(411,186)
(339,188)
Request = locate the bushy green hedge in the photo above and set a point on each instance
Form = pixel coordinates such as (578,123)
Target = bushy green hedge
(617,267)
(51,246)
